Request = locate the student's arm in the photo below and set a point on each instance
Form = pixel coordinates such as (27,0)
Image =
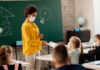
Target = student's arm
(31,40)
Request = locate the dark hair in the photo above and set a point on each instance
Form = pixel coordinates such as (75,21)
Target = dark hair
(60,54)
(30,9)
(98,36)
(4,55)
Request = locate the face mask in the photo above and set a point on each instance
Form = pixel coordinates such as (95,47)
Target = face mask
(32,19)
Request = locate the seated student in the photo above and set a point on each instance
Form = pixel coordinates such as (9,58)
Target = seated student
(61,59)
(97,40)
(96,51)
(76,49)
(5,59)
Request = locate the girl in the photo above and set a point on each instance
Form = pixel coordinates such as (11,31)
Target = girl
(76,49)
(5,59)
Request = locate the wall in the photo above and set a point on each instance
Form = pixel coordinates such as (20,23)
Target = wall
(85,8)
(97,16)
(68,15)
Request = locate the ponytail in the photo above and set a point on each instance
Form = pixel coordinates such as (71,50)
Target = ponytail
(81,49)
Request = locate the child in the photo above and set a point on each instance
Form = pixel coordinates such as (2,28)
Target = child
(76,49)
(97,39)
(96,51)
(61,59)
(5,55)
(5,58)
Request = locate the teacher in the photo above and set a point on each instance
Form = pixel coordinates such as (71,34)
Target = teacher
(31,36)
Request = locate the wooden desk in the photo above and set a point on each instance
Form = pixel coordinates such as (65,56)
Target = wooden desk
(48,57)
(24,64)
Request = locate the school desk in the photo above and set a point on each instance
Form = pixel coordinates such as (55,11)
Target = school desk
(92,65)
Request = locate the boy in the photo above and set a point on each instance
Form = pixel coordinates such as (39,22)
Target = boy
(61,59)
(96,51)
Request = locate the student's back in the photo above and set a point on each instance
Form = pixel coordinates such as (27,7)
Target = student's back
(74,54)
(71,67)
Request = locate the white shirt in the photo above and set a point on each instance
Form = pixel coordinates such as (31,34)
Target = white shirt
(74,54)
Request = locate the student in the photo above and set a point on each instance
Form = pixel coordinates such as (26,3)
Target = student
(76,49)
(5,58)
(61,59)
(97,40)
(31,37)
(96,51)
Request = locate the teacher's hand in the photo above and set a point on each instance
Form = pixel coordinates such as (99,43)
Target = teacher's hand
(44,42)
(40,35)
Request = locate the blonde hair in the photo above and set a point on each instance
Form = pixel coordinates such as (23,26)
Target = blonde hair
(5,52)
(77,43)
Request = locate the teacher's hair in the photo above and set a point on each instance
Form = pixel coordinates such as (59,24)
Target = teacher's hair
(30,9)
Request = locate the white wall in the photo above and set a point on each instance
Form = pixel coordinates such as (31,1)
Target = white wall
(97,16)
(68,16)
(85,8)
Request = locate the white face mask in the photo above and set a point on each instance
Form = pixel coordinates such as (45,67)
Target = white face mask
(32,19)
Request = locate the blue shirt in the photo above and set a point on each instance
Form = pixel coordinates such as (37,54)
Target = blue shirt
(71,67)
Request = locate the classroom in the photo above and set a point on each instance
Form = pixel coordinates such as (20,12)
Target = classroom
(49,35)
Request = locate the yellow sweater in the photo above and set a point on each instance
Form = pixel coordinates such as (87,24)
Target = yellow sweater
(30,38)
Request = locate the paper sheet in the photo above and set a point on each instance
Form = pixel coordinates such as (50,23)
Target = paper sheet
(52,44)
